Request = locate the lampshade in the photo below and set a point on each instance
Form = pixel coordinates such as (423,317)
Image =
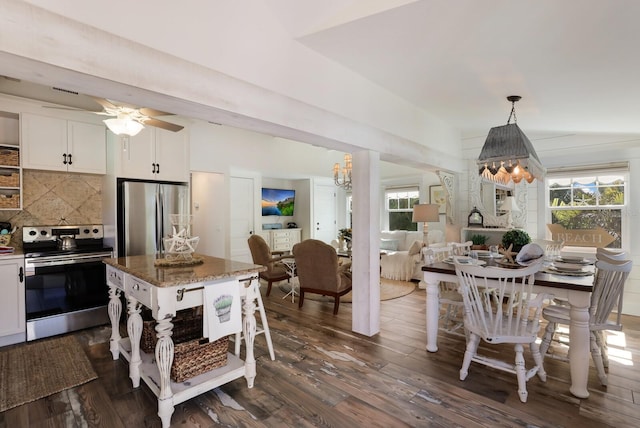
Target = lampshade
(124,126)
(426,212)
(508,154)
(509,204)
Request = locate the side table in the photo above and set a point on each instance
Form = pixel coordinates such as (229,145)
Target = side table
(290,264)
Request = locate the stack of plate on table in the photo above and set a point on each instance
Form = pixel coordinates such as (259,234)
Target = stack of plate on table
(6,250)
(570,266)
(466,261)
(484,254)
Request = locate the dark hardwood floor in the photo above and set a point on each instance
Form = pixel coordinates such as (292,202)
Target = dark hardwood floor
(326,376)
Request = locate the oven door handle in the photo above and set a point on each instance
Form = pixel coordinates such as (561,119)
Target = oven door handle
(38,263)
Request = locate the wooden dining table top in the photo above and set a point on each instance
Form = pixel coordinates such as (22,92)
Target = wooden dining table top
(581,283)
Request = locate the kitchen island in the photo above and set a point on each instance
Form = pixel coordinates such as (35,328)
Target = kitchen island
(165,290)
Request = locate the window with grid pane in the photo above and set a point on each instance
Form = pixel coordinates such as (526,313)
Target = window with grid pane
(588,202)
(399,206)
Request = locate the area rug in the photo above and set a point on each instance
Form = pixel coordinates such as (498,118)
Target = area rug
(389,289)
(38,369)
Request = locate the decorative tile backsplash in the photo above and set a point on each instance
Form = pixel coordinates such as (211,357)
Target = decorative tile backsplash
(51,198)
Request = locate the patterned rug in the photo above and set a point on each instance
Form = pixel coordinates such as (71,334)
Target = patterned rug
(38,369)
(389,289)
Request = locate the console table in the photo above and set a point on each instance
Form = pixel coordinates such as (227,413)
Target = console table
(166,290)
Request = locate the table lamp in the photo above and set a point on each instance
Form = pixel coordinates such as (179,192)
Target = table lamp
(425,213)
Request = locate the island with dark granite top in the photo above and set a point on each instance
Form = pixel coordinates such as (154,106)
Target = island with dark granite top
(166,290)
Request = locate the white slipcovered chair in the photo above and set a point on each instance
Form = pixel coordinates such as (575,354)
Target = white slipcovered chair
(497,318)
(608,290)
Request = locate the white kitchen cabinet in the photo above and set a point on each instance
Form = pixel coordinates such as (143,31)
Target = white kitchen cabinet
(55,144)
(12,309)
(155,154)
(281,239)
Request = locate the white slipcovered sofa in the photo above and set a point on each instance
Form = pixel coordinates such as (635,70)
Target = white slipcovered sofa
(402,258)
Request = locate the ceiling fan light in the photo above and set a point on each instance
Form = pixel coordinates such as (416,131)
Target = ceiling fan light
(121,126)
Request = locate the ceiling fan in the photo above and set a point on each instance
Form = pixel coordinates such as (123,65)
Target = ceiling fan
(127,119)
(130,120)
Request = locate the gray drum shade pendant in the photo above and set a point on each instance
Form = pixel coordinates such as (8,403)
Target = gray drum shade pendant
(508,155)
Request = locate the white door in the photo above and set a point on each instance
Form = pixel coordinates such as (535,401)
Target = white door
(324,213)
(207,189)
(241,192)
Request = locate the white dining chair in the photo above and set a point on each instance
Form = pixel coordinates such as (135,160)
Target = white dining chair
(449,298)
(612,254)
(498,317)
(461,248)
(608,290)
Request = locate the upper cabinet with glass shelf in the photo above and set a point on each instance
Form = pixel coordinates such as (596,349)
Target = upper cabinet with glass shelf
(10,170)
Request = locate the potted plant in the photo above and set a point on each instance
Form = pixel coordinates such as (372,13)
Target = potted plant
(479,242)
(516,237)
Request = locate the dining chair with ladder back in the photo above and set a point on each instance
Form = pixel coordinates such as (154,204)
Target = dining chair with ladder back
(264,325)
(612,254)
(499,317)
(607,294)
(449,298)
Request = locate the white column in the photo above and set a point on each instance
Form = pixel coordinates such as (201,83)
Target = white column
(366,243)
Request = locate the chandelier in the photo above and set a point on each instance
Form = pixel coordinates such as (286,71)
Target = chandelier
(345,182)
(508,154)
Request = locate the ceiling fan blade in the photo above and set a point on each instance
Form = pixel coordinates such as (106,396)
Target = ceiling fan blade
(152,112)
(162,124)
(105,103)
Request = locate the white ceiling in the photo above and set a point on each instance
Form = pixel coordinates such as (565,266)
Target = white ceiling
(574,62)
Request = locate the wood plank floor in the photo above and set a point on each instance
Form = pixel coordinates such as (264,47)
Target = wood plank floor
(326,376)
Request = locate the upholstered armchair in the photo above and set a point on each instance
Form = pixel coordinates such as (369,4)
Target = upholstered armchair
(319,272)
(261,255)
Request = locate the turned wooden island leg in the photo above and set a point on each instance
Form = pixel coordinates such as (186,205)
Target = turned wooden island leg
(115,310)
(134,329)
(164,359)
(249,331)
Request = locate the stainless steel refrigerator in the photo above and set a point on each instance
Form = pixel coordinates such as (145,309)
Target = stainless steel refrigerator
(144,214)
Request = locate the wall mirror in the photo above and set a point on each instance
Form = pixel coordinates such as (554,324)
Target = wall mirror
(487,196)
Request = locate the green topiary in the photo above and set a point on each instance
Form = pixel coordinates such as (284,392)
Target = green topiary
(518,237)
(479,239)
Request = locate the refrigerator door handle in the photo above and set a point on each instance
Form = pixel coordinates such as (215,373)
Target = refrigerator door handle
(159,217)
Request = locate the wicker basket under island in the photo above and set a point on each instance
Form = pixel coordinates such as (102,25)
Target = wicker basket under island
(166,291)
(193,355)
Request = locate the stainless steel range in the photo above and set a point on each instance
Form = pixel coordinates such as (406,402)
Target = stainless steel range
(65,284)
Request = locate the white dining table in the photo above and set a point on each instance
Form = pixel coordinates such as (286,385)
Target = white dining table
(576,290)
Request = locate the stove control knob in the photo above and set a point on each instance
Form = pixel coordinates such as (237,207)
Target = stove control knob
(86,231)
(32,232)
(43,232)
(95,230)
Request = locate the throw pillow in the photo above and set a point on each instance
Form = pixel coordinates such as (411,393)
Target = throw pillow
(415,248)
(389,244)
